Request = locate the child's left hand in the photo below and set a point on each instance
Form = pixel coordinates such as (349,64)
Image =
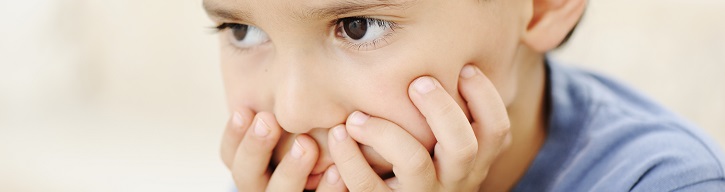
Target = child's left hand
(463,154)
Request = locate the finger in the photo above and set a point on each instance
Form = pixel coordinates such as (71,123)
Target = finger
(233,134)
(331,181)
(355,171)
(393,183)
(457,147)
(292,172)
(254,152)
(411,161)
(491,122)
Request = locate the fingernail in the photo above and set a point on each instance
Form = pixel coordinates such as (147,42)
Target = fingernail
(424,85)
(393,183)
(468,71)
(297,150)
(358,118)
(332,176)
(237,121)
(339,133)
(261,128)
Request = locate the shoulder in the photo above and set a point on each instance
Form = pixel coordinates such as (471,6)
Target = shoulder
(620,139)
(646,155)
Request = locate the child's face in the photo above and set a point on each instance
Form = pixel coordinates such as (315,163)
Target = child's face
(313,62)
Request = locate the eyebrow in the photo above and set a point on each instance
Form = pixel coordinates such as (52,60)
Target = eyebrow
(217,10)
(355,6)
(328,11)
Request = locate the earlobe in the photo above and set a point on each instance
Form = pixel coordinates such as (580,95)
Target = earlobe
(551,22)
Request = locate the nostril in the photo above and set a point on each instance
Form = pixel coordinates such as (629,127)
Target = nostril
(291,122)
(303,116)
(301,104)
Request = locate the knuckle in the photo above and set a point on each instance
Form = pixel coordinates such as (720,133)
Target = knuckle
(286,174)
(418,163)
(505,124)
(447,108)
(503,128)
(384,129)
(248,148)
(255,146)
(481,175)
(506,144)
(467,153)
(365,184)
(347,160)
(502,135)
(240,181)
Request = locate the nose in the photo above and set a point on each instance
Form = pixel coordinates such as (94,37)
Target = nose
(305,96)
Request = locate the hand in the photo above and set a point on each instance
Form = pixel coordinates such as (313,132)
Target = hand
(246,153)
(463,154)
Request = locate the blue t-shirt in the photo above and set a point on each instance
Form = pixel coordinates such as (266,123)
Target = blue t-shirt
(603,136)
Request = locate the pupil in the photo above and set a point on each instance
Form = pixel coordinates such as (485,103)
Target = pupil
(239,31)
(355,27)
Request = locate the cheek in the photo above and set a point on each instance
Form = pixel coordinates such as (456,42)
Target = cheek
(393,104)
(491,45)
(385,95)
(240,72)
(499,64)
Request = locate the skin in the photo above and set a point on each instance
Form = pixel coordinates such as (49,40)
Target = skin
(305,81)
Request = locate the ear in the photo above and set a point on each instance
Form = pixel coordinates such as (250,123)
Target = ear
(551,22)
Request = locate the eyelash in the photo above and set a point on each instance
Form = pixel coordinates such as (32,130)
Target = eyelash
(224,26)
(389,25)
(221,27)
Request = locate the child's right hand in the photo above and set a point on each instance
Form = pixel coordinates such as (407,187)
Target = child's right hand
(247,147)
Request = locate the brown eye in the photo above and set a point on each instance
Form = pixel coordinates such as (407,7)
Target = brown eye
(244,36)
(355,28)
(363,33)
(239,31)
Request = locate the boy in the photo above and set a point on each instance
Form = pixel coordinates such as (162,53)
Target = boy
(426,95)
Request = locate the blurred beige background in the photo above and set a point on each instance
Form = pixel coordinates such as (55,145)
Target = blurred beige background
(126,95)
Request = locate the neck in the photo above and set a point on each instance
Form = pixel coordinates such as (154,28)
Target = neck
(528,117)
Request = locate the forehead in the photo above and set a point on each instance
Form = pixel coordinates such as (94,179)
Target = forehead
(245,10)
